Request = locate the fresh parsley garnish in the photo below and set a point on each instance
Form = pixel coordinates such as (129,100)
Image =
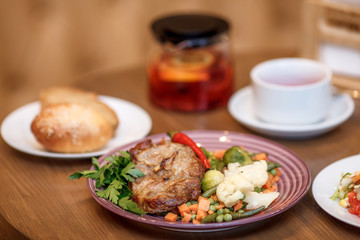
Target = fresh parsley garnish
(112,180)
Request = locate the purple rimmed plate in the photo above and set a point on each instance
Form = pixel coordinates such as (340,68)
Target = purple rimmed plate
(293,184)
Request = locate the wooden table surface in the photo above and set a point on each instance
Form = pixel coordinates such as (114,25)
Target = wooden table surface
(39,202)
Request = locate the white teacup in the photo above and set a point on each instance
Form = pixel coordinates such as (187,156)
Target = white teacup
(291,91)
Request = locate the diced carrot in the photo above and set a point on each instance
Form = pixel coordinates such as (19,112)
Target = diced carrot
(183,208)
(200,214)
(214,197)
(196,221)
(210,212)
(272,189)
(201,197)
(270,176)
(238,206)
(219,153)
(171,217)
(186,218)
(356,178)
(260,156)
(267,185)
(278,172)
(275,179)
(193,207)
(220,206)
(204,204)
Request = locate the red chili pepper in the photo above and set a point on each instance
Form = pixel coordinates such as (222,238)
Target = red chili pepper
(179,137)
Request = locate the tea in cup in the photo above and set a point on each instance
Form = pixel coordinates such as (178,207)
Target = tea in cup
(291,91)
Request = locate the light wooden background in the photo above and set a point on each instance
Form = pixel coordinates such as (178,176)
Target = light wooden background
(48,42)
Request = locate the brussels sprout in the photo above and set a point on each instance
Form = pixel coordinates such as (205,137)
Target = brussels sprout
(217,164)
(213,163)
(211,179)
(237,154)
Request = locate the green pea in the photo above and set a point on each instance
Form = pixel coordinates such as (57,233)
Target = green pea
(212,208)
(220,211)
(227,217)
(226,210)
(212,201)
(220,218)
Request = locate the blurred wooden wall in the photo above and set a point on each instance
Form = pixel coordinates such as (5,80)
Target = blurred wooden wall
(47,42)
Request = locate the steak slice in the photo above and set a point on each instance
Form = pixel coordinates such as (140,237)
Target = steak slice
(172,175)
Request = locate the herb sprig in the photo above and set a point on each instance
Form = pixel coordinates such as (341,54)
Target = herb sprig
(112,180)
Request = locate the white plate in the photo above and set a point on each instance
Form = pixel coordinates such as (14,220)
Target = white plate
(324,186)
(135,123)
(241,108)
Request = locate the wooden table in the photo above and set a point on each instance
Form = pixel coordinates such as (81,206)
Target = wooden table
(39,202)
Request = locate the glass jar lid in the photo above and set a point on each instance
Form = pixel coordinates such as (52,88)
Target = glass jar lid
(190,30)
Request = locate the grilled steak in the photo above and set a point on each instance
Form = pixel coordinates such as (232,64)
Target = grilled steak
(172,175)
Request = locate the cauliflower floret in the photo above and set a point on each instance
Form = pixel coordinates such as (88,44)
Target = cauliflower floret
(232,189)
(240,181)
(255,173)
(256,200)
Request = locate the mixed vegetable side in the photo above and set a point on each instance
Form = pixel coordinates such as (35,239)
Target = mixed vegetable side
(348,192)
(237,183)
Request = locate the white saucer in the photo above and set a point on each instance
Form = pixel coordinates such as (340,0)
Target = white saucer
(134,123)
(240,107)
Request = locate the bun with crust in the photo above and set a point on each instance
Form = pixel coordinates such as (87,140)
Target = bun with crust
(71,128)
(57,94)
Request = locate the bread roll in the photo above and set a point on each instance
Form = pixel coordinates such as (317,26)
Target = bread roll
(71,128)
(58,94)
